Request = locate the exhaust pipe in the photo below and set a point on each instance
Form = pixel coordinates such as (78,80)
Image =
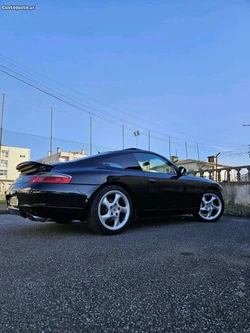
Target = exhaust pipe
(35,218)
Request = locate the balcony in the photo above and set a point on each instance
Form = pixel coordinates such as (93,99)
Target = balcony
(224,175)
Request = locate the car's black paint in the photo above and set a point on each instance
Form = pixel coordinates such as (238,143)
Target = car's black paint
(149,191)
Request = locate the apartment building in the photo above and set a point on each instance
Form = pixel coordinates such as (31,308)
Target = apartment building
(9,158)
(60,156)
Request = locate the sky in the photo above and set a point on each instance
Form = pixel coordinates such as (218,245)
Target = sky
(180,69)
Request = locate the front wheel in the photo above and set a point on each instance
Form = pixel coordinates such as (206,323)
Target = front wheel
(211,207)
(110,211)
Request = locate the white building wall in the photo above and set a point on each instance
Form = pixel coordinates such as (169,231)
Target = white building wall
(62,157)
(9,159)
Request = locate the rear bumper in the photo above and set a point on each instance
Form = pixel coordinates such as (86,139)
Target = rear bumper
(14,211)
(49,212)
(68,203)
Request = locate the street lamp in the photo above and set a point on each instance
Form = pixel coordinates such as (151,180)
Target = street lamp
(136,134)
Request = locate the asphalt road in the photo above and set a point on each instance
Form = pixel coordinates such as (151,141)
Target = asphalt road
(167,276)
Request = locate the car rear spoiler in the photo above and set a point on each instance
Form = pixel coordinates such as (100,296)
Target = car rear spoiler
(32,167)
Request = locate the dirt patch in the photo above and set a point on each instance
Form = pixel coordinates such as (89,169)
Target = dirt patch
(237,210)
(3,209)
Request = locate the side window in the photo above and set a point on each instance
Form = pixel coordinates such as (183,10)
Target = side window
(126,161)
(112,164)
(153,163)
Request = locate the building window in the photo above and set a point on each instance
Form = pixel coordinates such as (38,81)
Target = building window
(4,163)
(63,159)
(5,153)
(3,173)
(22,156)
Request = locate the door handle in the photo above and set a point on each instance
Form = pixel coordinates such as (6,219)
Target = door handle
(151,180)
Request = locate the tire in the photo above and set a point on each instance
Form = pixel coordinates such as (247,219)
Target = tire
(110,211)
(211,207)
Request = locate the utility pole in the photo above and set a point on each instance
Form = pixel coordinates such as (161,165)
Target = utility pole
(169,147)
(186,155)
(51,129)
(186,150)
(122,136)
(1,129)
(198,154)
(90,139)
(149,140)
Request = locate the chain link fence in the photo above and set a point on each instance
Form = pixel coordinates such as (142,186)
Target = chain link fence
(42,129)
(236,158)
(231,166)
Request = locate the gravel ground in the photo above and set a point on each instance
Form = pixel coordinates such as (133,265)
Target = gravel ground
(173,275)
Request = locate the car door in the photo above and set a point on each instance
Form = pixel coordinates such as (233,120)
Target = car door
(126,170)
(167,191)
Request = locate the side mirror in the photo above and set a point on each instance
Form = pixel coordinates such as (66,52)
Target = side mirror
(182,170)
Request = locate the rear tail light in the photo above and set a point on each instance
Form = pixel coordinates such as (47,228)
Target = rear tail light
(52,179)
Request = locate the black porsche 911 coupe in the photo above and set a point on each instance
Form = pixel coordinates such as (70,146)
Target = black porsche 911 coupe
(111,189)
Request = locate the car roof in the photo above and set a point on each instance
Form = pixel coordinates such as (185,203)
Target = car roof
(89,160)
(122,152)
(117,152)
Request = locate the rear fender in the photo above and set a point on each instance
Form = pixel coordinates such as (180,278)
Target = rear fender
(122,185)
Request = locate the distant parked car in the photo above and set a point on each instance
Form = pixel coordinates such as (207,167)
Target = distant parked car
(110,189)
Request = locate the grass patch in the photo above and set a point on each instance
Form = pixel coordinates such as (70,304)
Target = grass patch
(2,201)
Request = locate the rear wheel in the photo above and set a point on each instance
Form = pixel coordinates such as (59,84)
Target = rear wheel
(110,211)
(211,207)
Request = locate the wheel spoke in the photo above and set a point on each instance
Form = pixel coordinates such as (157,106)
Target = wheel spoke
(213,199)
(123,209)
(106,203)
(210,213)
(116,220)
(204,200)
(107,216)
(116,199)
(215,207)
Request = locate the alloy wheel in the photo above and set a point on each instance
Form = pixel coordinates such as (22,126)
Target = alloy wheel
(211,206)
(114,210)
